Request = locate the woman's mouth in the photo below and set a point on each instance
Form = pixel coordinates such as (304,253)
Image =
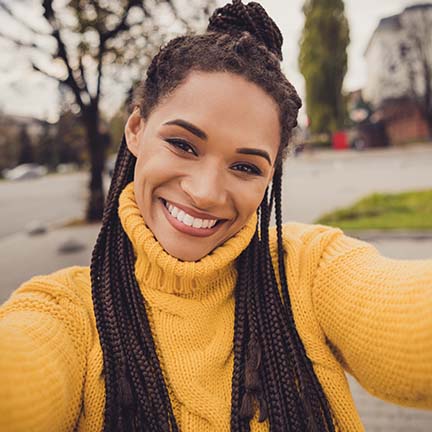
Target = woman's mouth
(188,224)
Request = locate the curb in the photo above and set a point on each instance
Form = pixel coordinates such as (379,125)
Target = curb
(369,235)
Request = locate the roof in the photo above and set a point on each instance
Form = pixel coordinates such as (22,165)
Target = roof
(393,22)
(419,6)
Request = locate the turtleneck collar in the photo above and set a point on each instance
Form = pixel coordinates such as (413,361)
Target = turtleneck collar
(169,274)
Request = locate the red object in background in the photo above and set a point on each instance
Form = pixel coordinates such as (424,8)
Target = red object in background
(340,140)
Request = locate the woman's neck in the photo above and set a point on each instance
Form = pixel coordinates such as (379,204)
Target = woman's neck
(156,267)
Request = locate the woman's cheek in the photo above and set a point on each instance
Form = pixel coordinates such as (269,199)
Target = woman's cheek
(248,198)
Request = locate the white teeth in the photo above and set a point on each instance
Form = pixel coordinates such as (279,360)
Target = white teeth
(197,223)
(174,211)
(180,216)
(189,220)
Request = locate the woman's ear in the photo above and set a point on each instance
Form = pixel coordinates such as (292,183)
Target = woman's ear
(134,126)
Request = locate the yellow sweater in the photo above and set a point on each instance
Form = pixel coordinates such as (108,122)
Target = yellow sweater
(354,310)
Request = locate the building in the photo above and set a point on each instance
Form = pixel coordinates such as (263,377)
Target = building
(396,77)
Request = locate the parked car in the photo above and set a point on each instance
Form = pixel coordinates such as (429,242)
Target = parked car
(367,134)
(25,171)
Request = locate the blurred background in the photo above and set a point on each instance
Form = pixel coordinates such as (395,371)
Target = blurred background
(361,156)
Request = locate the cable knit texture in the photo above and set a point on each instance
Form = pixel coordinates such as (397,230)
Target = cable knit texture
(354,310)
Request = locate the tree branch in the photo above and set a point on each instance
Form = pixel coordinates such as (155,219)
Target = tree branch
(104,37)
(70,81)
(48,14)
(19,43)
(122,25)
(99,73)
(177,16)
(83,84)
(62,53)
(4,6)
(47,74)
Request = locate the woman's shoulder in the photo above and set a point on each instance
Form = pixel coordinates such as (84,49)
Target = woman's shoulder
(67,282)
(66,288)
(314,245)
(296,236)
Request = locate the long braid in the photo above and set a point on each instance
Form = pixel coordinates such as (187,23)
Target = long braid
(271,367)
(137,374)
(279,329)
(277,186)
(294,399)
(240,333)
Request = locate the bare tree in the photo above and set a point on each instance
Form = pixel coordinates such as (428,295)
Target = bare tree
(415,57)
(89,45)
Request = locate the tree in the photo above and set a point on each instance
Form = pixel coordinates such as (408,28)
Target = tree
(9,139)
(46,153)
(97,44)
(323,62)
(415,57)
(25,146)
(69,140)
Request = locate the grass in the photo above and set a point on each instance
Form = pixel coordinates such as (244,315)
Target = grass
(404,211)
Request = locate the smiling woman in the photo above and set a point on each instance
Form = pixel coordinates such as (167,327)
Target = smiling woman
(195,315)
(206,150)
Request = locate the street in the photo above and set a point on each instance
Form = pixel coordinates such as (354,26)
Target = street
(48,199)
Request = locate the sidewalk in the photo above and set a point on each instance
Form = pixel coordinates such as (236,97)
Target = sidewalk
(24,256)
(386,152)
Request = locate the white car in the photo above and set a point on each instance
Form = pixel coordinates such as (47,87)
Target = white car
(25,171)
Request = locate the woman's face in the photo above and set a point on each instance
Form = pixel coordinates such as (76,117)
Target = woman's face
(205,156)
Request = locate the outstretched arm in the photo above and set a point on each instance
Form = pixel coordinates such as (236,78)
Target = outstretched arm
(44,336)
(376,314)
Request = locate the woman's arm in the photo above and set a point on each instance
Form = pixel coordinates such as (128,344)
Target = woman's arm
(376,314)
(44,335)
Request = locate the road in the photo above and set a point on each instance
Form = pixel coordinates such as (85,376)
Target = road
(49,199)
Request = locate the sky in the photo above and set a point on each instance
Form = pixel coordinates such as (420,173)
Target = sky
(25,92)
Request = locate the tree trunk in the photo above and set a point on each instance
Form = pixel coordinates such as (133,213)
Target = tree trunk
(97,149)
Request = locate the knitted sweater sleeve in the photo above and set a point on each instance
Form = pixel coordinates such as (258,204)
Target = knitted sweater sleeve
(376,314)
(44,333)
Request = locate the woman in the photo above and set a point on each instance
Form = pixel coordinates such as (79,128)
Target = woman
(194,316)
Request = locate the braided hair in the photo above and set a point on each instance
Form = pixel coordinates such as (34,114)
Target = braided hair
(271,369)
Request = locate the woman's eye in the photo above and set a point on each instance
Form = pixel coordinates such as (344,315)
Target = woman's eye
(181,145)
(248,169)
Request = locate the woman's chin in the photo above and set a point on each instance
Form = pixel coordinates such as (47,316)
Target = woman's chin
(184,254)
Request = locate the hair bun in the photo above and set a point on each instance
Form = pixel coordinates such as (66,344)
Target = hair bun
(237,17)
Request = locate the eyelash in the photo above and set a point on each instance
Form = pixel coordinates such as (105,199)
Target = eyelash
(185,147)
(181,145)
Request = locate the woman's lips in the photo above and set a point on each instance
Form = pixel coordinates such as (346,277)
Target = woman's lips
(180,226)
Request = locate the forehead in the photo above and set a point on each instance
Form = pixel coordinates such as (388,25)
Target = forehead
(225,106)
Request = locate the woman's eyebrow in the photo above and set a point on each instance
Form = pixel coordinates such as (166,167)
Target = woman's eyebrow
(189,127)
(201,134)
(256,152)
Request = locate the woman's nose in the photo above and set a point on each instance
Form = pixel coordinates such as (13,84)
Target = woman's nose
(205,188)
